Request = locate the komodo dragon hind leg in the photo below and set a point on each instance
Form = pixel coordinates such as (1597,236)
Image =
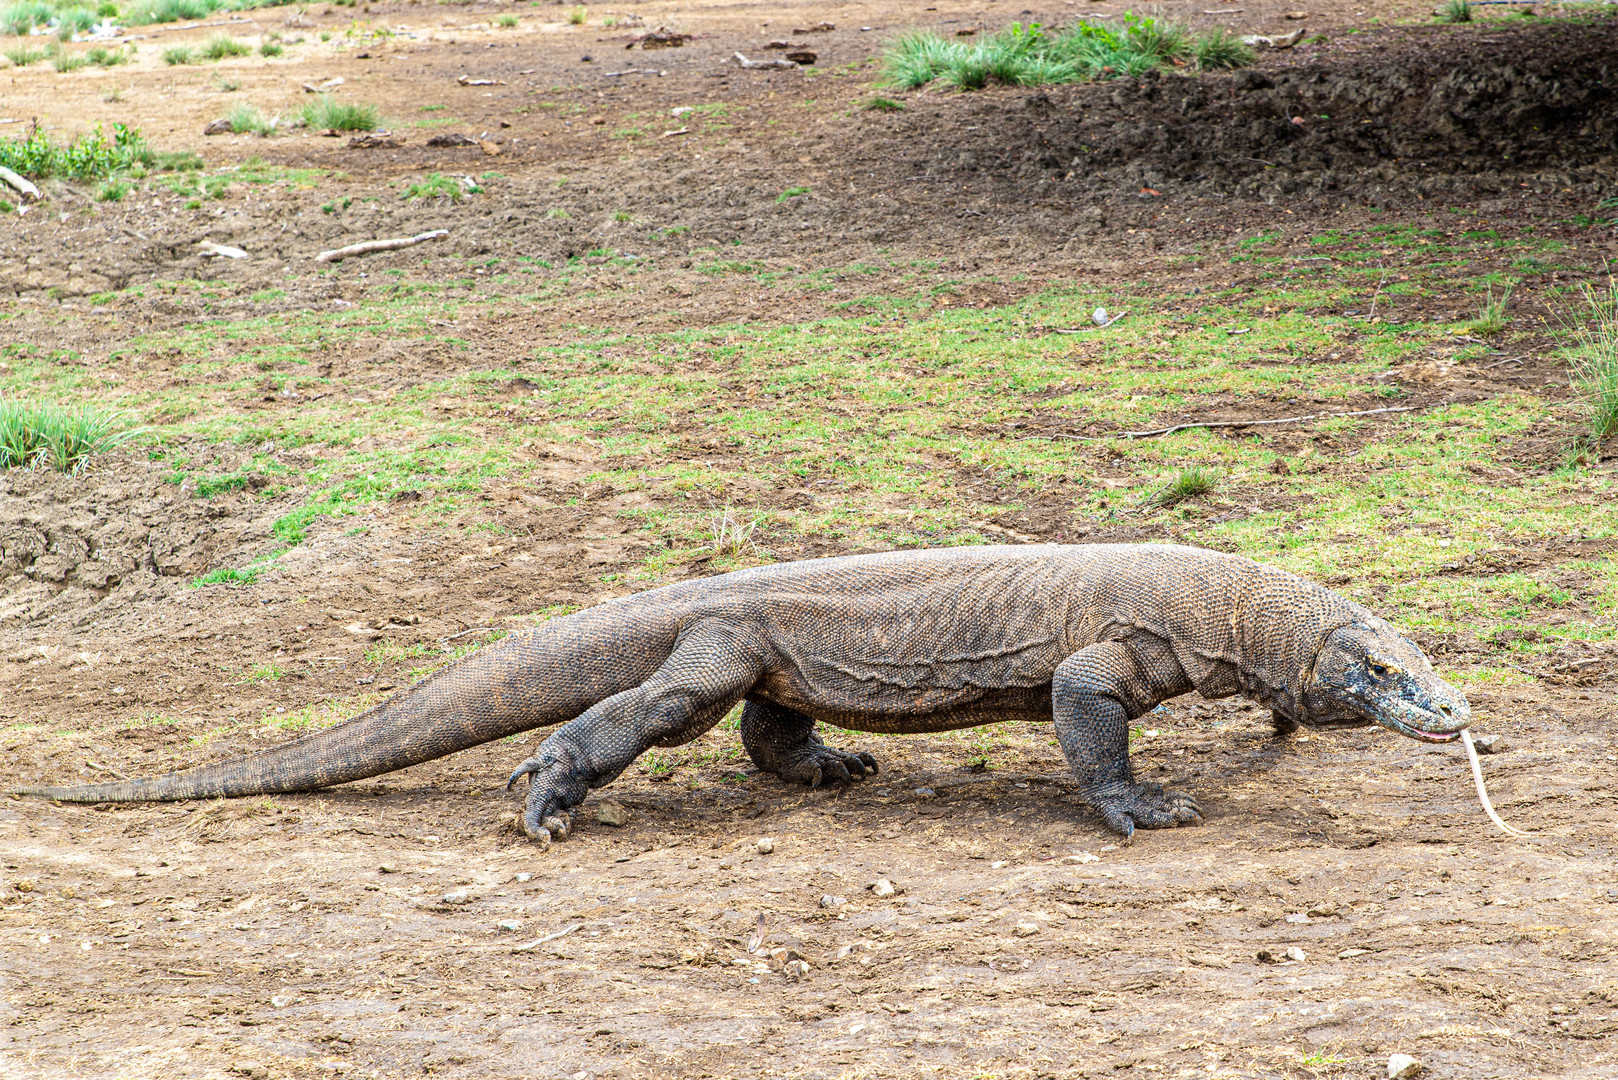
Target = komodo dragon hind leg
(783,741)
(708,672)
(1096,692)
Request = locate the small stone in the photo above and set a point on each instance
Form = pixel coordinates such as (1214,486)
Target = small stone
(881,888)
(1490,744)
(1349,954)
(1025,929)
(525,876)
(999,864)
(26,884)
(1081,858)
(1296,954)
(1322,910)
(1298,917)
(453,899)
(611,812)
(765,845)
(250,1069)
(796,970)
(925,793)
(387,868)
(830,901)
(1402,1067)
(1099,317)
(1265,956)
(511,926)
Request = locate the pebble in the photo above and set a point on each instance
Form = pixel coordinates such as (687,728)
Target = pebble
(251,1069)
(765,845)
(1489,744)
(1402,1066)
(1081,858)
(1298,917)
(882,888)
(525,877)
(1349,954)
(1026,929)
(1322,911)
(459,896)
(611,812)
(386,868)
(1296,953)
(830,901)
(796,970)
(925,793)
(511,925)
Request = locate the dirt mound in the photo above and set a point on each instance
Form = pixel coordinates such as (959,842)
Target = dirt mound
(1413,112)
(75,547)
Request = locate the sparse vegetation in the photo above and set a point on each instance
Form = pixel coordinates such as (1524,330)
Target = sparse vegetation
(42,434)
(89,157)
(104,57)
(506,22)
(1455,11)
(576,16)
(1031,55)
(791,193)
(270,48)
(730,536)
(326,113)
(227,575)
(1595,362)
(175,55)
(113,190)
(245,118)
(21,55)
(223,47)
(882,104)
(438,186)
(1492,315)
(65,61)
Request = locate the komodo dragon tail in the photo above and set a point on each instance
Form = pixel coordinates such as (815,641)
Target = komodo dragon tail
(534,679)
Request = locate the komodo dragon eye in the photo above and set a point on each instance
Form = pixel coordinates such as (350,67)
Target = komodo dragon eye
(1379,670)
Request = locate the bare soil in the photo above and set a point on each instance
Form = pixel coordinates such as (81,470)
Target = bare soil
(401,927)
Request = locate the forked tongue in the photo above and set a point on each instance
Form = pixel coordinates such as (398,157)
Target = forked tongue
(1477,774)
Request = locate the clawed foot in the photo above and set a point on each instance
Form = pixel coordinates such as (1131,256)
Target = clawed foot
(1127,805)
(815,763)
(555,786)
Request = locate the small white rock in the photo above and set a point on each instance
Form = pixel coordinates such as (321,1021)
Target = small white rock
(882,888)
(830,901)
(525,877)
(1402,1067)
(510,925)
(1100,316)
(459,896)
(1298,917)
(766,845)
(1081,858)
(1297,954)
(796,970)
(1026,929)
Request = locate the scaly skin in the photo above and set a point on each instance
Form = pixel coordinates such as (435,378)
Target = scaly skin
(1087,636)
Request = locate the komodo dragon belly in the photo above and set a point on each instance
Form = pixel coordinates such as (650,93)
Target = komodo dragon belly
(934,710)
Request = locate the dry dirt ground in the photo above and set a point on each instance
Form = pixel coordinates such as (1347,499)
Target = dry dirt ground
(399,927)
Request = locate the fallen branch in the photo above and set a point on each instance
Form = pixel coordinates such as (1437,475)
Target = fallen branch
(19,182)
(1230,424)
(631,71)
(1084,329)
(537,942)
(369,246)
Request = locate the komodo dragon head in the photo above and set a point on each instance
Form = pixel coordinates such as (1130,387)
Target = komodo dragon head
(1367,672)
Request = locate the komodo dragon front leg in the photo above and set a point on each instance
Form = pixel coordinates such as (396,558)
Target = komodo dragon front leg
(711,667)
(1095,693)
(783,741)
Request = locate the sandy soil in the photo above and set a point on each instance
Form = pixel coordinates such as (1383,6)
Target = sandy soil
(400,927)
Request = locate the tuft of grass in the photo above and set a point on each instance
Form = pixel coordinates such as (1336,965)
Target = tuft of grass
(223,47)
(146,12)
(64,61)
(177,161)
(506,22)
(1187,484)
(1492,315)
(1455,11)
(438,186)
(246,118)
(1032,55)
(43,434)
(791,193)
(729,536)
(1595,363)
(103,57)
(21,55)
(576,16)
(227,575)
(882,104)
(114,190)
(270,48)
(175,55)
(329,114)
(20,18)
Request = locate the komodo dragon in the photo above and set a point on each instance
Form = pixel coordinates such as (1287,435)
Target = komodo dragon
(1091,636)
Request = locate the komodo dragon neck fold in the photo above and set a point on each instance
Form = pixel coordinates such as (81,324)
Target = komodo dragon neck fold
(1086,636)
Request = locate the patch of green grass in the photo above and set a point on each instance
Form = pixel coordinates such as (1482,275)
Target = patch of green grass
(1492,315)
(114,190)
(104,57)
(22,55)
(439,186)
(177,55)
(1455,11)
(882,104)
(245,118)
(222,47)
(1033,55)
(64,61)
(506,22)
(576,16)
(791,193)
(1187,484)
(20,18)
(270,48)
(1594,365)
(265,673)
(227,575)
(326,113)
(35,434)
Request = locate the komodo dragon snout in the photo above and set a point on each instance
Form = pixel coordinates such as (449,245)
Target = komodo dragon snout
(1367,673)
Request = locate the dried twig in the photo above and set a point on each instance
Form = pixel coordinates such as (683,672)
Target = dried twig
(773,62)
(17,181)
(369,246)
(537,942)
(1230,424)
(1507,360)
